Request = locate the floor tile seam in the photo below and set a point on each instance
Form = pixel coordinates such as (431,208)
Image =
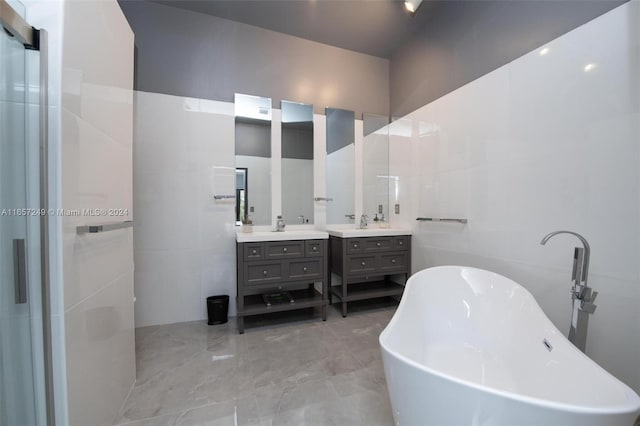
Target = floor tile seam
(140,351)
(172,369)
(183,413)
(170,413)
(147,419)
(353,355)
(147,348)
(152,333)
(255,401)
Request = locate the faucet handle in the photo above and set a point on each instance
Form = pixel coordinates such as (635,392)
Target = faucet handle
(587,295)
(586,303)
(588,307)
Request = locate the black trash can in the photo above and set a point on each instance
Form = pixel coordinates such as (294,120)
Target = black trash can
(217,309)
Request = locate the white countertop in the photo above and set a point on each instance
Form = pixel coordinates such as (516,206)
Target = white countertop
(367,232)
(260,236)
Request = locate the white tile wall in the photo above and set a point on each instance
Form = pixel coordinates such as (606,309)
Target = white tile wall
(96,173)
(184,240)
(536,146)
(100,367)
(320,169)
(276,167)
(358,167)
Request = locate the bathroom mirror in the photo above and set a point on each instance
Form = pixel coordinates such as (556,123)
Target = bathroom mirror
(297,163)
(253,159)
(375,154)
(340,166)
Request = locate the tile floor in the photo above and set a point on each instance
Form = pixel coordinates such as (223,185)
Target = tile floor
(291,369)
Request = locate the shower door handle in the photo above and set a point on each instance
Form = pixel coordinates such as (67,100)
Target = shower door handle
(20,271)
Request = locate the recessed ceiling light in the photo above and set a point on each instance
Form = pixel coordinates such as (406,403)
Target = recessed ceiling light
(412,5)
(589,67)
(544,51)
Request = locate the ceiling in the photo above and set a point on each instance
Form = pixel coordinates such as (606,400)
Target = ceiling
(374,27)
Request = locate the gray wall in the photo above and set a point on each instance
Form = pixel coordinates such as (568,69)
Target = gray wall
(373,122)
(297,141)
(184,53)
(467,39)
(253,138)
(340,129)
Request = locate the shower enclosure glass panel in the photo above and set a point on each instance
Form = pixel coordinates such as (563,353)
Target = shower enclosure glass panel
(22,374)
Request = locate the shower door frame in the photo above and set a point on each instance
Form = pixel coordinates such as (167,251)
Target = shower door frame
(37,39)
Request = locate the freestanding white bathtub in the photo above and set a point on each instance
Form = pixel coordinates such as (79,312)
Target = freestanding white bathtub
(470,347)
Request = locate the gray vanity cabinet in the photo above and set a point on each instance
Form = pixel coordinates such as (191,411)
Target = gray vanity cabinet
(365,266)
(275,266)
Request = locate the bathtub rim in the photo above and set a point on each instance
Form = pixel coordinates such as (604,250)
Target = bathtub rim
(632,404)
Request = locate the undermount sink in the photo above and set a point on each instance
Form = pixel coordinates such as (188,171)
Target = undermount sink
(287,235)
(366,232)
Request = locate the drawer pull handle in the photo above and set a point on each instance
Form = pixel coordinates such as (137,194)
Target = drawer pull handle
(378,244)
(315,248)
(393,261)
(254,251)
(401,242)
(265,273)
(363,264)
(284,249)
(304,269)
(355,245)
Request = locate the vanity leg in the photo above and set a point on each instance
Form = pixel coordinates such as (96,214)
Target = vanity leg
(240,325)
(324,312)
(344,309)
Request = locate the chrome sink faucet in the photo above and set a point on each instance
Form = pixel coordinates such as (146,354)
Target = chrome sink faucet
(363,221)
(581,294)
(280,224)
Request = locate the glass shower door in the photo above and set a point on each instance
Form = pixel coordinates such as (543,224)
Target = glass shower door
(22,378)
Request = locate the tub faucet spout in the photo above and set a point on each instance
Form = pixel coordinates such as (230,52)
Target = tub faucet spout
(581,294)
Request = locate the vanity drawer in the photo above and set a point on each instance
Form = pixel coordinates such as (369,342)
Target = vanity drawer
(263,273)
(392,262)
(284,249)
(305,269)
(401,243)
(253,251)
(354,246)
(358,265)
(313,248)
(378,244)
